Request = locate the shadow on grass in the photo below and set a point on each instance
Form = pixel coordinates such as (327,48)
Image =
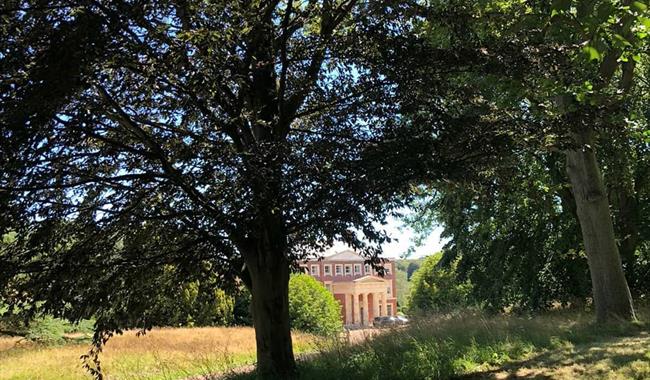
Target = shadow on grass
(621,357)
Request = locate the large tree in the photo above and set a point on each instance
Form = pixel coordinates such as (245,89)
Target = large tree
(226,135)
(544,76)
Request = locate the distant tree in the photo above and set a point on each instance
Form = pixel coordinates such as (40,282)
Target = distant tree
(437,289)
(410,269)
(313,308)
(242,309)
(190,303)
(515,238)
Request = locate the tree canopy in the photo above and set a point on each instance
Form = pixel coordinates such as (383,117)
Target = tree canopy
(232,139)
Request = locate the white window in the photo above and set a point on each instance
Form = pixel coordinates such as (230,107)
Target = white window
(388,290)
(328,270)
(314,270)
(338,269)
(367,269)
(328,286)
(348,270)
(389,309)
(357,268)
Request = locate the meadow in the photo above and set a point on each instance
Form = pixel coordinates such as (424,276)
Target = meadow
(161,354)
(467,345)
(557,345)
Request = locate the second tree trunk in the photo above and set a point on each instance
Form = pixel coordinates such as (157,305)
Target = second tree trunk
(611,294)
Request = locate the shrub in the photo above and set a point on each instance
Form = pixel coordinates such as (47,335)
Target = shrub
(46,330)
(312,308)
(50,330)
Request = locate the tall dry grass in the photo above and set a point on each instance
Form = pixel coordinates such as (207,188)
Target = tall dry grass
(168,353)
(446,347)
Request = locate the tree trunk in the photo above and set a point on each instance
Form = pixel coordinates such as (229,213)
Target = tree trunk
(611,293)
(269,274)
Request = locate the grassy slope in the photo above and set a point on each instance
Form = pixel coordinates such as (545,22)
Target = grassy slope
(161,354)
(559,345)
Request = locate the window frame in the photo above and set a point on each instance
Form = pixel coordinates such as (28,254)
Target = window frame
(327,269)
(311,269)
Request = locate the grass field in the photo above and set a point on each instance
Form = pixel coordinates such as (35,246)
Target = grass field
(559,345)
(173,353)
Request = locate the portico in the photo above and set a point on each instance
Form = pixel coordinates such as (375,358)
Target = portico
(364,299)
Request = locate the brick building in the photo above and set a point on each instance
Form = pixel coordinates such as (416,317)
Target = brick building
(362,293)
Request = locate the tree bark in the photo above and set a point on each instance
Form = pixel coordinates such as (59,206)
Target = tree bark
(612,298)
(269,275)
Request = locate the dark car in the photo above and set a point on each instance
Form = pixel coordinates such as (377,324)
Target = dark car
(401,320)
(385,321)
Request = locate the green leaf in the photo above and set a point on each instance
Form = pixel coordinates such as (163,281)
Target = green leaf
(645,21)
(592,53)
(622,40)
(639,6)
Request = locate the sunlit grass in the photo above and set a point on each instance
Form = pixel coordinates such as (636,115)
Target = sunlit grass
(558,345)
(170,353)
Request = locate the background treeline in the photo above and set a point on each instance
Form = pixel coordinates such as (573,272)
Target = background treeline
(196,303)
(515,237)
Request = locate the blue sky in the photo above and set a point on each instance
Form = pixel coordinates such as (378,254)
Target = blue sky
(404,239)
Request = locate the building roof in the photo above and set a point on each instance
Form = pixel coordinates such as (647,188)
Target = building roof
(347,255)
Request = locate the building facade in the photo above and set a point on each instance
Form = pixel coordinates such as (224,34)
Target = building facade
(361,291)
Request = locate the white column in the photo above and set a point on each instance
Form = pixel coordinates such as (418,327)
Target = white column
(375,304)
(364,309)
(357,311)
